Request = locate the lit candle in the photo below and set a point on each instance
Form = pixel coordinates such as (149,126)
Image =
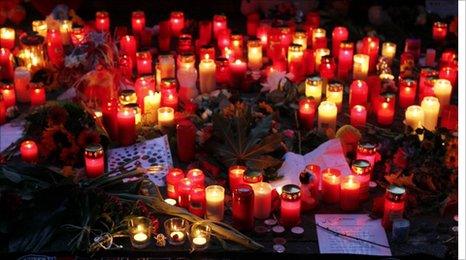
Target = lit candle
(215,207)
(197,177)
(262,34)
(450,117)
(176,22)
(55,50)
(448,58)
(142,87)
(174,176)
(331,185)
(430,57)
(184,189)
(139,229)
(361,170)
(290,205)
(21,81)
(186,140)
(187,77)
(185,43)
(300,38)
(29,151)
(219,24)
(414,116)
(168,88)
(262,200)
(166,116)
(370,47)
(205,32)
(126,121)
(166,64)
(360,66)
(235,176)
(197,202)
(109,117)
(285,36)
(439,31)
(367,151)
(358,116)
(243,207)
(413,46)
(138,22)
(37,95)
(94,160)
(102,21)
(431,107)
(8,94)
(7,38)
(237,45)
(207,51)
(407,93)
(319,39)
(394,205)
(65,31)
(307,111)
(386,109)
(450,73)
(128,46)
(327,67)
(207,69)
(389,50)
(349,194)
(200,236)
(339,34)
(313,88)
(40,26)
(334,93)
(6,64)
(318,54)
(151,105)
(327,116)
(427,76)
(238,70)
(442,90)
(144,62)
(296,62)
(77,35)
(359,92)
(254,54)
(345,60)
(222,73)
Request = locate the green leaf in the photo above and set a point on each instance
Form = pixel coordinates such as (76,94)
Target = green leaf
(263,162)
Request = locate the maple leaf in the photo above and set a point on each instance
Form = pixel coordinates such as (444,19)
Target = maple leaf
(400,179)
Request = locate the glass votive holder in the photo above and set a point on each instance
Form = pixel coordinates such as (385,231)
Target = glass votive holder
(176,230)
(139,229)
(199,236)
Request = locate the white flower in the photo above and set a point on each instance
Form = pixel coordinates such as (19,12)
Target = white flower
(274,79)
(206,114)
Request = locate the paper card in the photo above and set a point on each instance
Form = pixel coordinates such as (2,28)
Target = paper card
(155,152)
(355,225)
(10,133)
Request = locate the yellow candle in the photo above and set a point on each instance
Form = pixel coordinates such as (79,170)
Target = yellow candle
(389,50)
(414,116)
(199,241)
(334,93)
(327,116)
(431,107)
(215,196)
(318,54)
(7,38)
(300,38)
(151,105)
(317,33)
(254,54)
(207,69)
(65,31)
(360,66)
(295,53)
(314,88)
(140,237)
(442,90)
(167,66)
(166,116)
(40,26)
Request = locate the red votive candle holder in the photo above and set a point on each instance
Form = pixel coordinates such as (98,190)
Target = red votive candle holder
(144,62)
(367,151)
(55,50)
(235,176)
(174,176)
(439,31)
(307,111)
(358,116)
(359,91)
(184,190)
(407,94)
(349,194)
(361,169)
(290,205)
(185,43)
(219,24)
(126,121)
(168,88)
(339,34)
(370,47)
(222,72)
(386,109)
(197,202)
(8,94)
(450,117)
(138,22)
(37,94)
(413,46)
(394,205)
(142,86)
(176,22)
(29,151)
(345,59)
(109,117)
(186,140)
(197,177)
(94,160)
(77,35)
(238,70)
(331,185)
(7,38)
(252,24)
(205,32)
(102,21)
(262,34)
(450,73)
(128,46)
(243,207)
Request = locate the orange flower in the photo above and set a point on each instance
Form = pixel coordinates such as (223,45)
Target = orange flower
(55,138)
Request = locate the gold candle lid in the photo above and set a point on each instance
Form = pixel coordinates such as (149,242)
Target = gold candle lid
(395,193)
(127,96)
(291,192)
(32,39)
(335,86)
(94,151)
(252,176)
(367,147)
(361,167)
(314,80)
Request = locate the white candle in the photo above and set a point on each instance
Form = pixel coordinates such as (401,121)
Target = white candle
(22,78)
(360,66)
(442,90)
(199,241)
(166,116)
(327,117)
(207,81)
(254,54)
(414,116)
(431,107)
(140,237)
(151,105)
(314,88)
(262,200)
(389,50)
(215,196)
(334,93)
(166,66)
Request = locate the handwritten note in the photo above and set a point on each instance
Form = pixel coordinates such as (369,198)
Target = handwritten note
(355,225)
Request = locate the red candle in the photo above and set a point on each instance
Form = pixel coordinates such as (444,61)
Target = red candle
(450,73)
(138,22)
(184,190)
(450,117)
(262,34)
(315,170)
(144,62)
(309,61)
(296,62)
(128,46)
(252,24)
(386,110)
(223,39)
(8,93)
(285,36)
(307,111)
(168,91)
(142,87)
(186,140)
(367,151)
(176,23)
(219,24)
(37,95)
(174,176)
(370,46)
(102,21)
(349,194)
(358,116)
(222,72)
(290,205)
(77,35)
(238,70)
(361,169)
(185,43)
(197,202)
(235,176)
(394,205)
(197,178)
(6,64)
(327,67)
(109,117)
(126,66)
(331,185)
(407,95)
(339,34)
(7,38)
(2,111)
(424,75)
(29,151)
(164,35)
(243,208)
(439,32)
(276,51)
(126,122)
(205,32)
(309,190)
(427,87)
(55,50)
(313,19)
(413,46)
(345,60)
(319,38)
(236,45)
(359,92)
(207,51)
(94,160)
(448,58)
